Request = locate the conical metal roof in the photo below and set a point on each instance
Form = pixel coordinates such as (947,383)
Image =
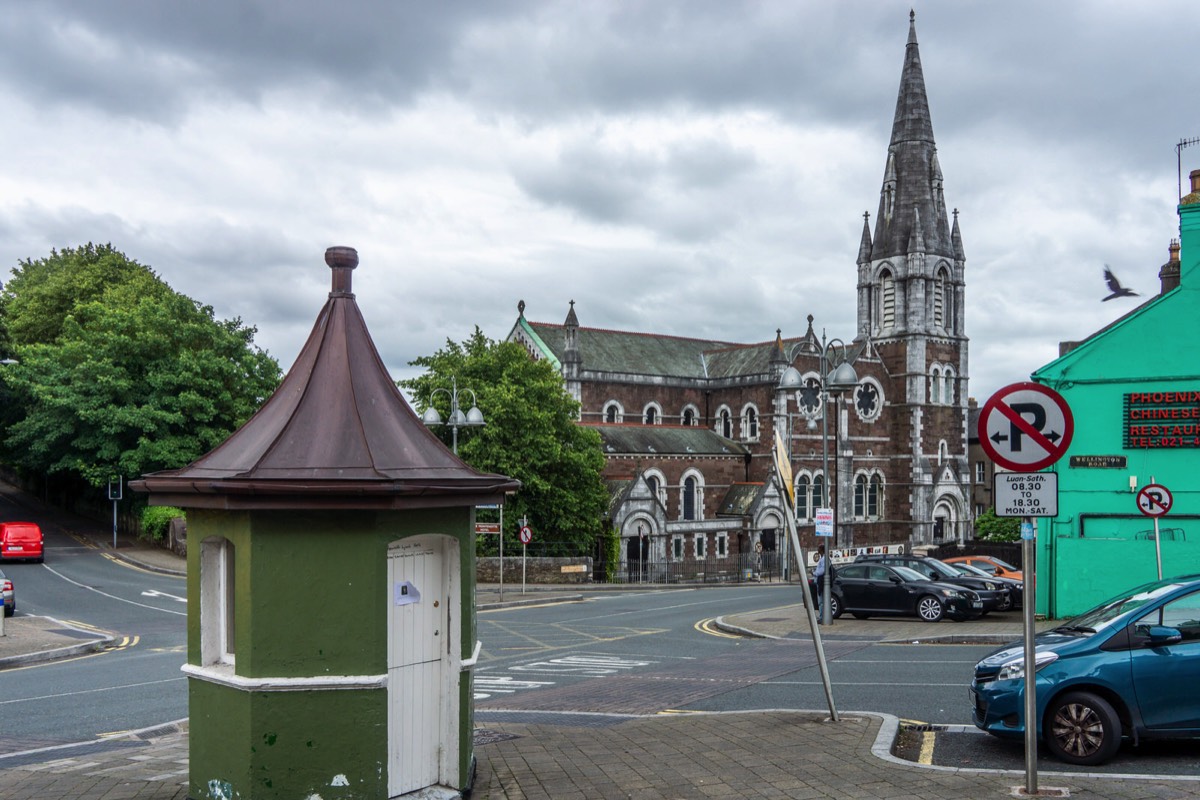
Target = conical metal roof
(337,433)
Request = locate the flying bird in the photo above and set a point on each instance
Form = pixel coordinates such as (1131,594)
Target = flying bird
(1115,286)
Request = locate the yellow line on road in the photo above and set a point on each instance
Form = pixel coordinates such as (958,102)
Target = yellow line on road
(705,626)
(926,756)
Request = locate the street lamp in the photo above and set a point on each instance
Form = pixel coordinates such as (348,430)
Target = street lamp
(473,418)
(842,378)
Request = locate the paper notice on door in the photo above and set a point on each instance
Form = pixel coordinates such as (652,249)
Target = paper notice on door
(404,593)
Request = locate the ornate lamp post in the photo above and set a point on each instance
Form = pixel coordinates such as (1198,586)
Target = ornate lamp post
(837,375)
(473,417)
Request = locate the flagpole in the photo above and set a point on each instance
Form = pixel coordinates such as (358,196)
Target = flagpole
(783,472)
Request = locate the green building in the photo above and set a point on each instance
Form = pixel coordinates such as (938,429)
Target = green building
(1134,390)
(331,585)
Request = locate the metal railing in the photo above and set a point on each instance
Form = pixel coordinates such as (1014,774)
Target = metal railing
(743,568)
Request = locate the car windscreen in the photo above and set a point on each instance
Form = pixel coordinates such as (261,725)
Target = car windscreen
(908,573)
(943,570)
(1100,616)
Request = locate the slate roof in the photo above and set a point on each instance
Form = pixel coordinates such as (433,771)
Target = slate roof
(660,440)
(657,354)
(337,433)
(739,500)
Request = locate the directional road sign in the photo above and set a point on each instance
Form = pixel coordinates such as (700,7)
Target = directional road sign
(1154,500)
(1025,426)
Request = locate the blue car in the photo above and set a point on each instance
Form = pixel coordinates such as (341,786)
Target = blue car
(1129,668)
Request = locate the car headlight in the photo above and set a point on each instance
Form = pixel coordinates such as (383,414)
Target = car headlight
(952,593)
(1015,670)
(991,587)
(1020,587)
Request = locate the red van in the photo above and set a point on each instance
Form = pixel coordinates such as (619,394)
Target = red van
(20,540)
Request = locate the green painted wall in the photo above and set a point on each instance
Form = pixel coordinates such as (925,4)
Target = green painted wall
(286,744)
(1092,551)
(311,600)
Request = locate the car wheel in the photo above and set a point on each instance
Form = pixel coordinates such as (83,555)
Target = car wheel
(9,610)
(930,609)
(1082,728)
(835,607)
(860,615)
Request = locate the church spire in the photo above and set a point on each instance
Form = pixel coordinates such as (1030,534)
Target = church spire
(913,177)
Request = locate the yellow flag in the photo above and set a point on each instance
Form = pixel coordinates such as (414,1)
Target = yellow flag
(783,465)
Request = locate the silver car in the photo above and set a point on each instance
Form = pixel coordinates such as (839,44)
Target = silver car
(10,595)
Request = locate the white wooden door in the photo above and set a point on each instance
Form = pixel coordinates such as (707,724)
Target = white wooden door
(417,645)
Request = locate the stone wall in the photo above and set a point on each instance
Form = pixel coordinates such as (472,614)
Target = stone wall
(537,570)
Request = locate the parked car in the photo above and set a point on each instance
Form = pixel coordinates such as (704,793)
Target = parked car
(21,540)
(876,590)
(1015,588)
(1125,669)
(10,595)
(989,564)
(995,596)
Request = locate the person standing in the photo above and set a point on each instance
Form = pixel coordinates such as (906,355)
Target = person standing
(818,576)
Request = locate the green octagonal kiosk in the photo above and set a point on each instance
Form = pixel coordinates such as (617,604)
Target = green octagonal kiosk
(331,585)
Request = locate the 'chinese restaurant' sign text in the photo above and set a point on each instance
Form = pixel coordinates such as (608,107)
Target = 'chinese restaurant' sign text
(1162,420)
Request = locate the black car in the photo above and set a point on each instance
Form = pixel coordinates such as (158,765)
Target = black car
(878,590)
(1015,587)
(995,596)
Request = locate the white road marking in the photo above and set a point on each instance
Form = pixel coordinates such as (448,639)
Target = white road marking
(114,597)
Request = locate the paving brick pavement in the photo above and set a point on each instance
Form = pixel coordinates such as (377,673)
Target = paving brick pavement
(766,754)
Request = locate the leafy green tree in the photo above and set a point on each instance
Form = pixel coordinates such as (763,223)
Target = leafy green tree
(118,374)
(991,528)
(530,434)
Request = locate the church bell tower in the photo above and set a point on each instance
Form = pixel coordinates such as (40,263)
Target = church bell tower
(910,306)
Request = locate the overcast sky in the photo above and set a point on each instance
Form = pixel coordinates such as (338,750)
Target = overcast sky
(692,168)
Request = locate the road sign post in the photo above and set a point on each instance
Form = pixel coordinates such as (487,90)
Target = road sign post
(1025,427)
(526,536)
(1155,500)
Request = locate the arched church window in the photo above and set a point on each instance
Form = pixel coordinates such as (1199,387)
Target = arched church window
(688,417)
(875,496)
(948,386)
(939,299)
(860,496)
(802,497)
(750,423)
(725,423)
(887,303)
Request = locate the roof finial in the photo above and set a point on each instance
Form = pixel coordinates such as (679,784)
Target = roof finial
(342,260)
(521,308)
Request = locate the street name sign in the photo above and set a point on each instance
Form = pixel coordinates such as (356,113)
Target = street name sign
(1029,494)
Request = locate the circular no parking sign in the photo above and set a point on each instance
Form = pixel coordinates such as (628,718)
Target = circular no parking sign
(1025,426)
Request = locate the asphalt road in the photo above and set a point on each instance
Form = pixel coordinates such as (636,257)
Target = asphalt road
(646,653)
(134,684)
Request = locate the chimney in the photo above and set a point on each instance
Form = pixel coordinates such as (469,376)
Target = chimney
(342,260)
(1169,274)
(1194,176)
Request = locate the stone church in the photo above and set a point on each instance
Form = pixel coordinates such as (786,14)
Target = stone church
(688,425)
